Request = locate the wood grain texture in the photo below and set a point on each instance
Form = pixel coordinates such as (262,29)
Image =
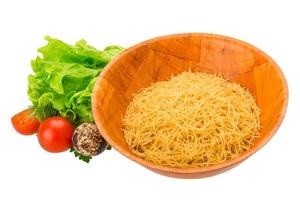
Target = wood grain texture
(159,58)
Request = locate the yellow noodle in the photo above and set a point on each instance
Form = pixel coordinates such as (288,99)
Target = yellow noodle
(192,120)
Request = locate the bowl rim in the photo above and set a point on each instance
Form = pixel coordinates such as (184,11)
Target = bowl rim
(168,169)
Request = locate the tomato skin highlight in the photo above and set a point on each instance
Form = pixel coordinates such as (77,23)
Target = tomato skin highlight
(55,134)
(25,122)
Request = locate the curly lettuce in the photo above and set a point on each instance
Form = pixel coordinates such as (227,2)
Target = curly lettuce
(64,77)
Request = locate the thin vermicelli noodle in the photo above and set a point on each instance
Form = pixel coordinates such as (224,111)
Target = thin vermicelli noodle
(192,120)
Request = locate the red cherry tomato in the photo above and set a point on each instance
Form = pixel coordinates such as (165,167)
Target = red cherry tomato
(55,134)
(25,122)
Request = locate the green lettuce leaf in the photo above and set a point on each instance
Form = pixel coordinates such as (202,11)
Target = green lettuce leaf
(64,77)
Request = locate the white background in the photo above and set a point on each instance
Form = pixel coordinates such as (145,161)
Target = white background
(28,172)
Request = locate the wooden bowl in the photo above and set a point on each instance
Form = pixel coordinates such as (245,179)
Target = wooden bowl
(158,58)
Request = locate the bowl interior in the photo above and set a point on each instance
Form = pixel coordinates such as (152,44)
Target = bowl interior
(157,59)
